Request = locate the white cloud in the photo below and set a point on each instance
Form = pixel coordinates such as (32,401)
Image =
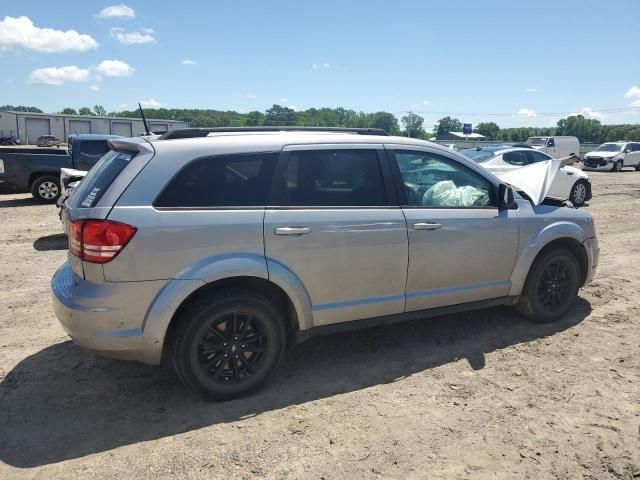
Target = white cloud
(186,61)
(425,102)
(292,107)
(58,75)
(588,112)
(95,88)
(147,30)
(318,66)
(633,94)
(20,32)
(123,105)
(251,96)
(117,11)
(152,102)
(531,90)
(284,100)
(114,68)
(132,38)
(525,112)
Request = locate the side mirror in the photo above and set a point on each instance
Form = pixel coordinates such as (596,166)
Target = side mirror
(627,150)
(505,197)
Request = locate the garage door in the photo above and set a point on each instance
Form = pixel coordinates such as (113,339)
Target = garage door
(77,127)
(158,127)
(36,127)
(122,128)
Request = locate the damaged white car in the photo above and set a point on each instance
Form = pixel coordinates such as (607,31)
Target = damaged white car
(515,165)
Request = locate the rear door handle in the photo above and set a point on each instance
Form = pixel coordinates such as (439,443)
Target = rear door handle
(292,230)
(426,226)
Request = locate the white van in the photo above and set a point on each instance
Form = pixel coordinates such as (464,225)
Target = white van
(557,147)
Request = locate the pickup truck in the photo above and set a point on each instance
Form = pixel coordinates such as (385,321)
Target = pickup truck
(37,169)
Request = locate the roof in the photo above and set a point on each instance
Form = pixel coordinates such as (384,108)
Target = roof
(90,117)
(93,136)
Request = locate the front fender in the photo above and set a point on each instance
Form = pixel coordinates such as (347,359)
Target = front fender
(531,248)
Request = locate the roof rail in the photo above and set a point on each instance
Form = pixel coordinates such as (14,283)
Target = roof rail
(203,132)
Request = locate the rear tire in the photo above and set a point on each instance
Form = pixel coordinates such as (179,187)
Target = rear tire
(46,189)
(578,193)
(617,167)
(228,344)
(551,287)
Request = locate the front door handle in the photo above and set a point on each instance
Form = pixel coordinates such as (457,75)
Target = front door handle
(426,226)
(292,230)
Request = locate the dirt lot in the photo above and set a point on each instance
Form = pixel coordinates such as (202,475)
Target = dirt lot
(478,395)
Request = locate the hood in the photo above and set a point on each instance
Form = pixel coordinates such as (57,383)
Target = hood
(535,180)
(601,154)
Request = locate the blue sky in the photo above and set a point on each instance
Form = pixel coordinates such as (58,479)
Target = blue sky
(464,58)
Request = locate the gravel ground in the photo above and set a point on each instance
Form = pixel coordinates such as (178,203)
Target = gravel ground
(476,395)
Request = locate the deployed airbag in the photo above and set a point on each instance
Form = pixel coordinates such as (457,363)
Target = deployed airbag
(535,180)
(446,194)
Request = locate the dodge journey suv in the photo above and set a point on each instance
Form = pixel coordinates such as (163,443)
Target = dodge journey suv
(215,249)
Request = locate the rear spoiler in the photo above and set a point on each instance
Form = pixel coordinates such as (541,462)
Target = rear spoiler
(140,146)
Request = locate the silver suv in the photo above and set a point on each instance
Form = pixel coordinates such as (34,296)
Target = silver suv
(216,249)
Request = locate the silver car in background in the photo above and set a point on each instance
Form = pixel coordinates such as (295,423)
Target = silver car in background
(215,249)
(613,156)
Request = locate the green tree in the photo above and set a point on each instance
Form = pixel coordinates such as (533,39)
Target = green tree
(384,120)
(280,116)
(491,130)
(446,125)
(413,125)
(85,111)
(99,110)
(587,130)
(20,108)
(254,119)
(69,111)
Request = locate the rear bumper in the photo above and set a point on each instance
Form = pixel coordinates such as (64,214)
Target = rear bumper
(107,318)
(593,255)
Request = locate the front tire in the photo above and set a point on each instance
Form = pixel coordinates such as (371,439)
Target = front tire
(551,287)
(229,344)
(617,166)
(46,189)
(578,193)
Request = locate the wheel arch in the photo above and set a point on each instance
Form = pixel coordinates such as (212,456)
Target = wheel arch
(263,286)
(36,175)
(566,235)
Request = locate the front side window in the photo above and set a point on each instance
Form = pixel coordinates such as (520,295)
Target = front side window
(535,157)
(635,147)
(344,178)
(551,143)
(432,180)
(222,181)
(518,159)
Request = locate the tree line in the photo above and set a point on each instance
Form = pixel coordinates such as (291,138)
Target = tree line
(412,125)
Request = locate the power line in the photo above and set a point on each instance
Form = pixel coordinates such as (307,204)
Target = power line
(537,114)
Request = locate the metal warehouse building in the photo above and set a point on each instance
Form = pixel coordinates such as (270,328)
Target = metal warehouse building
(27,127)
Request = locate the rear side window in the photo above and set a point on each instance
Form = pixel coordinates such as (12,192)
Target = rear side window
(222,181)
(99,178)
(343,178)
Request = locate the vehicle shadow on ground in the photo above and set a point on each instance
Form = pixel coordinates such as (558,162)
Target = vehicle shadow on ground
(57,241)
(18,202)
(62,403)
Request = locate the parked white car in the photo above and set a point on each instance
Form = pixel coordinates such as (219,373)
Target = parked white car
(613,156)
(570,183)
(556,146)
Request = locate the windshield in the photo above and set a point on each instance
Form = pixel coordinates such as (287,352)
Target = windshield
(537,141)
(478,155)
(609,147)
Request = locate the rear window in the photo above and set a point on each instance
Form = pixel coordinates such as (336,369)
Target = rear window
(93,147)
(240,180)
(100,178)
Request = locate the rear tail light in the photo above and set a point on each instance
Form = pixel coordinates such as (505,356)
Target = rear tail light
(98,241)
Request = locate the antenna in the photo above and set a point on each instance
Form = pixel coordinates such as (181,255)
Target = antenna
(144,120)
